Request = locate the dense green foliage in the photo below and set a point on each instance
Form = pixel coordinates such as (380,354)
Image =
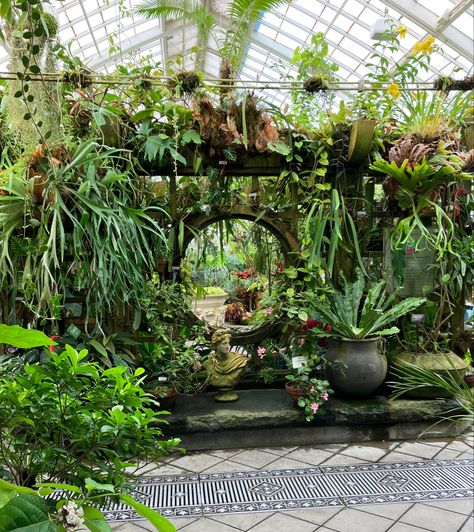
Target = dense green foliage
(67,419)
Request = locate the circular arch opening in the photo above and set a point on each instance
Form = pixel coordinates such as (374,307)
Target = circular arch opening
(281,232)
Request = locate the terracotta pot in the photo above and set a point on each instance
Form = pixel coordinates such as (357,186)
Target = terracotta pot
(165,402)
(469,380)
(294,392)
(161,265)
(356,367)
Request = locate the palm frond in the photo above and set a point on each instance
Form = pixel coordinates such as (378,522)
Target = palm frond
(251,10)
(166,8)
(242,14)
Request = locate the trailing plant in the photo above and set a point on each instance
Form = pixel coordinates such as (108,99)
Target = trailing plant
(30,32)
(317,71)
(82,227)
(329,227)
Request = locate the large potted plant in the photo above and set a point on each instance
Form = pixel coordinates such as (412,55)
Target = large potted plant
(359,318)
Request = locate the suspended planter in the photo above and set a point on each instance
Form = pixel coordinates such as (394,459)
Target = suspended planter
(111,130)
(360,142)
(468,134)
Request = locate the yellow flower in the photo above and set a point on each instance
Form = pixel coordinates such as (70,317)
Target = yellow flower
(402,31)
(394,90)
(425,46)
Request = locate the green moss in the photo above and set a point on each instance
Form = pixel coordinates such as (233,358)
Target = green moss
(51,24)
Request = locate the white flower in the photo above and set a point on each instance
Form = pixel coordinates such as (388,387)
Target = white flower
(71,515)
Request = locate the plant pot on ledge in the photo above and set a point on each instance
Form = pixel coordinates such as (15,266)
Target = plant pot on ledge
(296,390)
(356,367)
(446,364)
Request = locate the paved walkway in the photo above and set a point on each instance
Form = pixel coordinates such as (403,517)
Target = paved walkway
(436,516)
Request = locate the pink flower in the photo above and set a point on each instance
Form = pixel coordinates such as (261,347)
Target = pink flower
(312,389)
(325,396)
(328,328)
(261,352)
(314,407)
(269,311)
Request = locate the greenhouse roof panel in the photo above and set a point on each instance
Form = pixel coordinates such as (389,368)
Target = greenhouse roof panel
(91,26)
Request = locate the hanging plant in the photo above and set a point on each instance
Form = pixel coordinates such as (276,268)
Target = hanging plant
(315,84)
(184,82)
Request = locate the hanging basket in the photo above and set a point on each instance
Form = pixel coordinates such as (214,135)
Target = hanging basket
(360,142)
(468,136)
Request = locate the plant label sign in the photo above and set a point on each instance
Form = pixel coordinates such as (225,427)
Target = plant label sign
(298,362)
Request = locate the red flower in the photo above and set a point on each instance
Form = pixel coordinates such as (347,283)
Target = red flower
(51,347)
(328,328)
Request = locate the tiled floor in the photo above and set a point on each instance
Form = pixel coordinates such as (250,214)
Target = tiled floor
(438,516)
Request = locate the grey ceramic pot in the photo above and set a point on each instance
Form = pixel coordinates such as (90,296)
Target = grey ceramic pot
(356,367)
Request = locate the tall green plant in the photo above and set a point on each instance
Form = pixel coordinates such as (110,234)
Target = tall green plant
(87,228)
(329,227)
(242,15)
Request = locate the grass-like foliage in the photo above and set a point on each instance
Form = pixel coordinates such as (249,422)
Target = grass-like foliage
(411,377)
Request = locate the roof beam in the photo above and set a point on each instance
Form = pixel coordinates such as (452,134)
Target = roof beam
(83,9)
(430,23)
(138,42)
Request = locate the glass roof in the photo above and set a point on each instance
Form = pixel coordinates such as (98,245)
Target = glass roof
(106,33)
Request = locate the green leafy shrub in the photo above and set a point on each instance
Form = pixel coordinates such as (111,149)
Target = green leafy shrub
(68,419)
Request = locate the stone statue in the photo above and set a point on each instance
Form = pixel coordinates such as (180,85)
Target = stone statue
(224,367)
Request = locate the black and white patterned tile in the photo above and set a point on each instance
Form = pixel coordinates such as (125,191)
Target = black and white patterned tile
(313,487)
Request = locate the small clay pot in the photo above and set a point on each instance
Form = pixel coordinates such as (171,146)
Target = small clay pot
(294,392)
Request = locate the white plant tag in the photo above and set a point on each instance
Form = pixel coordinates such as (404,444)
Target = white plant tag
(298,362)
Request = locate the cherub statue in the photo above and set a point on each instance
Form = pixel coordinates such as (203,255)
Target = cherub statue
(224,367)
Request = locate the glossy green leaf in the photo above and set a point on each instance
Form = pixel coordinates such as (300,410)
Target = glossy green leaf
(26,513)
(17,336)
(162,524)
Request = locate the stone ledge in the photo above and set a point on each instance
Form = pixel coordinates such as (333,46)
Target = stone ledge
(264,417)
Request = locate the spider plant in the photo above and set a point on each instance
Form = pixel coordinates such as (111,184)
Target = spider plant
(90,232)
